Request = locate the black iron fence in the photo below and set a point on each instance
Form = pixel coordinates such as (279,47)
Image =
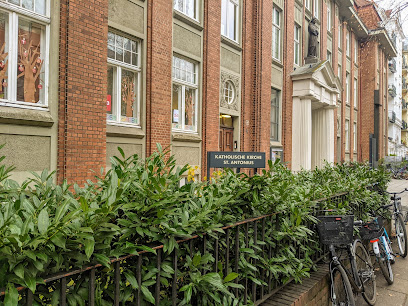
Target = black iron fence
(160,276)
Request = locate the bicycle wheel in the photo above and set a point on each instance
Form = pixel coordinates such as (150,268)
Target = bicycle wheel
(401,233)
(365,271)
(385,265)
(342,293)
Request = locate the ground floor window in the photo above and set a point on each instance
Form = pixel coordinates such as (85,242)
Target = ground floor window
(184,107)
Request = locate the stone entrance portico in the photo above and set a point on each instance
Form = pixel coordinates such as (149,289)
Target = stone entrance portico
(315,90)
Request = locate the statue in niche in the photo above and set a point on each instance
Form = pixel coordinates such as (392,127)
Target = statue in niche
(313,38)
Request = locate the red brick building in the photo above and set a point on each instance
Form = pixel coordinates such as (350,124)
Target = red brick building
(193,75)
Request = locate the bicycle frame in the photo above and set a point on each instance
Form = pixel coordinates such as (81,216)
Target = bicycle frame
(354,278)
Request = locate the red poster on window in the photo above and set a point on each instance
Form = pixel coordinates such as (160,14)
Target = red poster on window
(109,103)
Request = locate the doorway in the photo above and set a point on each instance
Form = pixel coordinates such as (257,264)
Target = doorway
(226,137)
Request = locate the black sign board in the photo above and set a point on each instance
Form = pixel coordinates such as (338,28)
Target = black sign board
(235,160)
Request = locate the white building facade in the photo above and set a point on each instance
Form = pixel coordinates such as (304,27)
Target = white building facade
(397,110)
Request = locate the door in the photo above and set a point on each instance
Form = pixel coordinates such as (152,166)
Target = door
(226,143)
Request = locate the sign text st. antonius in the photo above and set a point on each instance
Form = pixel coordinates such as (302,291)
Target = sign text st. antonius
(235,160)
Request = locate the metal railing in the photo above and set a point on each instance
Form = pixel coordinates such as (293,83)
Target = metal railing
(392,117)
(225,248)
(392,65)
(392,90)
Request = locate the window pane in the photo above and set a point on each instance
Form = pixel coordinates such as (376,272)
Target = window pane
(110,100)
(175,107)
(128,107)
(189,109)
(178,4)
(15,2)
(119,48)
(30,62)
(231,20)
(111,45)
(190,8)
(224,17)
(3,55)
(274,115)
(40,6)
(28,4)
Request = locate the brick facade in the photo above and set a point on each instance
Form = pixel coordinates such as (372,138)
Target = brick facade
(82,93)
(82,80)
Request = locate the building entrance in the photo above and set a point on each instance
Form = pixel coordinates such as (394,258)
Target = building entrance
(226,138)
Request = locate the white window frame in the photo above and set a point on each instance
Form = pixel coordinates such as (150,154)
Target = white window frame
(229,88)
(340,34)
(347,88)
(355,50)
(307,4)
(297,32)
(316,9)
(278,117)
(183,85)
(14,12)
(347,134)
(355,137)
(348,43)
(226,30)
(278,39)
(330,57)
(184,11)
(117,84)
(355,93)
(329,16)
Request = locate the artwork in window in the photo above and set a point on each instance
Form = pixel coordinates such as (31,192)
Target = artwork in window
(189,120)
(3,57)
(175,107)
(110,99)
(30,62)
(128,94)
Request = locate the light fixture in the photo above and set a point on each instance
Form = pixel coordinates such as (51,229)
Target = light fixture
(225,116)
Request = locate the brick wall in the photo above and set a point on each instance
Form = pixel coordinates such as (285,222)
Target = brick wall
(82,89)
(288,60)
(211,79)
(369,16)
(367,80)
(158,74)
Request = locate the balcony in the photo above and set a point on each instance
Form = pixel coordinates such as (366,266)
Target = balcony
(404,64)
(404,105)
(392,91)
(392,64)
(404,125)
(392,117)
(404,84)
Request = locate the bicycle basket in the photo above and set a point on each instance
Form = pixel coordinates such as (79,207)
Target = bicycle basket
(372,230)
(336,230)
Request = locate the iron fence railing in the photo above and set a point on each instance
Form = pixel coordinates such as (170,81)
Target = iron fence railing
(224,247)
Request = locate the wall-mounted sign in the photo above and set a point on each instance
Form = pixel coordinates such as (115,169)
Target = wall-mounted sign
(236,159)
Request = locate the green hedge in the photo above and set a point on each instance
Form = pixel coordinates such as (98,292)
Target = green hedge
(47,228)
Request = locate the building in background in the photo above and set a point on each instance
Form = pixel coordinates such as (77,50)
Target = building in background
(396,109)
(404,86)
(80,78)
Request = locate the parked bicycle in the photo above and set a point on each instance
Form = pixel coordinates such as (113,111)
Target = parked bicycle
(399,222)
(337,232)
(381,245)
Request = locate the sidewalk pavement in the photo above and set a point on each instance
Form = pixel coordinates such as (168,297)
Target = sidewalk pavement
(397,293)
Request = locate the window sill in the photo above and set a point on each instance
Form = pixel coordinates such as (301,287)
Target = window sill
(179,136)
(184,18)
(230,43)
(22,116)
(277,63)
(124,131)
(329,34)
(275,144)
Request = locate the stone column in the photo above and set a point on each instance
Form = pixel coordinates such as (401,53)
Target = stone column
(322,136)
(302,134)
